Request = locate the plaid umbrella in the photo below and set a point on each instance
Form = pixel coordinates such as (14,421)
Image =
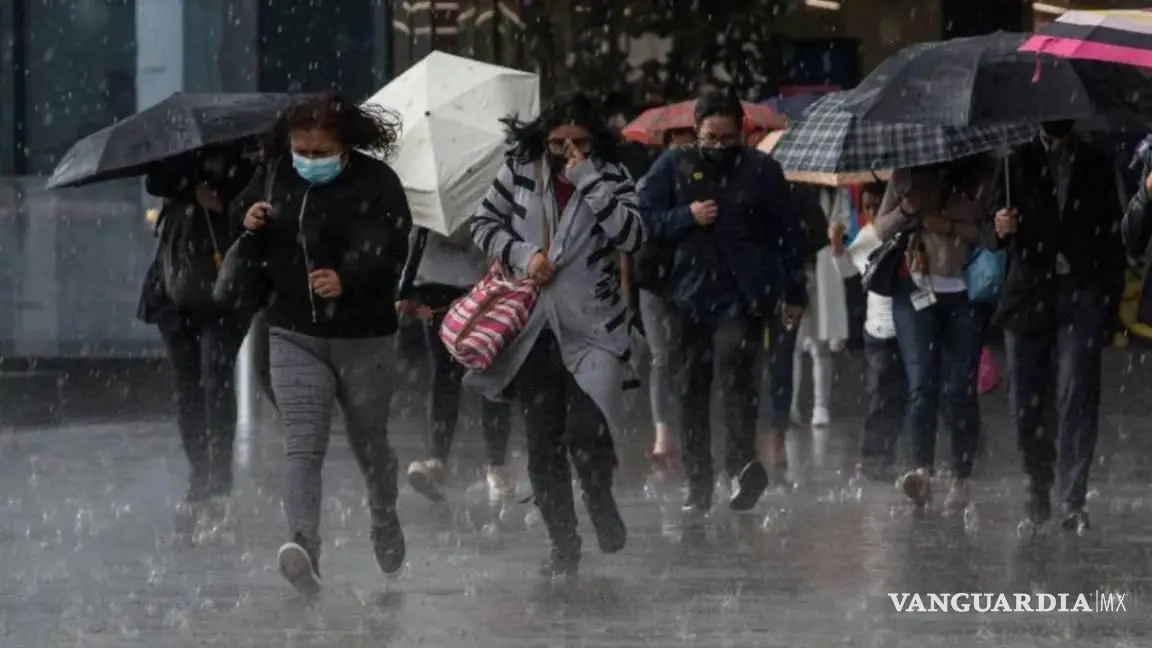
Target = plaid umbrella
(649,127)
(830,144)
(1115,36)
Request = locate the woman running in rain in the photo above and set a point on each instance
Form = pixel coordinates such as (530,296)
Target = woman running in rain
(558,212)
(329,226)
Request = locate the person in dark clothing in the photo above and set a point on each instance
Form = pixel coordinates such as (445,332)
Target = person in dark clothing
(1136,227)
(440,270)
(1065,278)
(727,211)
(327,226)
(201,338)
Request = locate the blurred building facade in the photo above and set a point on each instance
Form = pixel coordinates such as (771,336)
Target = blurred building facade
(71,262)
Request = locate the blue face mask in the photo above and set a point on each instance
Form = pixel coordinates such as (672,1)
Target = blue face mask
(318,170)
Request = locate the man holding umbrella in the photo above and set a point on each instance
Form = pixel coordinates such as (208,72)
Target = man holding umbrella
(1060,225)
(726,210)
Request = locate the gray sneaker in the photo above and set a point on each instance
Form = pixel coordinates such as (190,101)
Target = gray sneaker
(299,568)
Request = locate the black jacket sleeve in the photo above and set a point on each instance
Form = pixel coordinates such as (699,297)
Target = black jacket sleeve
(417,239)
(787,233)
(374,261)
(1137,224)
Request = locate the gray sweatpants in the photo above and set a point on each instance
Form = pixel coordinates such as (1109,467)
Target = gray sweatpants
(309,375)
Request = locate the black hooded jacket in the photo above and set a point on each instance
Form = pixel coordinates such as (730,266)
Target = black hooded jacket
(189,235)
(356,225)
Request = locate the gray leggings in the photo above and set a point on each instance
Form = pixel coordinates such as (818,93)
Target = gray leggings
(662,332)
(309,375)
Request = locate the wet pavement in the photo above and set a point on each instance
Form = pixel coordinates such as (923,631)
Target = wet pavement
(94,552)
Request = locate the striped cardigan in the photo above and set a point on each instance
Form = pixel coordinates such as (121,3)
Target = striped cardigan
(583,305)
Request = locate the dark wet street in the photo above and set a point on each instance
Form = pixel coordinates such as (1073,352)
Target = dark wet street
(95,553)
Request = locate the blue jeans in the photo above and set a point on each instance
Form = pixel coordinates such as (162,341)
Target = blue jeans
(940,347)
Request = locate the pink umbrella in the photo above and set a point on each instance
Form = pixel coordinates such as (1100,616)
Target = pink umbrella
(1113,36)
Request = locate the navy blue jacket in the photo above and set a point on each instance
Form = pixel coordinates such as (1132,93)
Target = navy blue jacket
(751,258)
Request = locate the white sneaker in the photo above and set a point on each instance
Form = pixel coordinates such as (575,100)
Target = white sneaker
(821,417)
(501,486)
(427,478)
(297,568)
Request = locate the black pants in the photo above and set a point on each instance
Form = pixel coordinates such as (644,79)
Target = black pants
(781,358)
(1054,380)
(562,421)
(887,387)
(203,351)
(731,347)
(444,406)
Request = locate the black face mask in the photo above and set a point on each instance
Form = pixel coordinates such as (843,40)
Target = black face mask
(723,157)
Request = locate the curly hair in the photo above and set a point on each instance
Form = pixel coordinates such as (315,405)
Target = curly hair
(369,128)
(527,141)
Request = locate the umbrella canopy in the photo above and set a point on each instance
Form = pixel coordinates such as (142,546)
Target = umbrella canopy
(987,80)
(831,146)
(453,142)
(1115,36)
(179,124)
(649,127)
(793,107)
(768,145)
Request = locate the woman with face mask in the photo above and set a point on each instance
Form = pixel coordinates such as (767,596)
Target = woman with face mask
(328,226)
(200,337)
(559,212)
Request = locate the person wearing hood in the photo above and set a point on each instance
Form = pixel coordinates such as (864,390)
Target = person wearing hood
(327,230)
(201,337)
(738,264)
(1062,230)
(440,270)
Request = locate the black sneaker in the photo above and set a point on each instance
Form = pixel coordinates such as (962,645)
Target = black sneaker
(388,543)
(611,534)
(1077,520)
(749,486)
(562,561)
(698,503)
(299,568)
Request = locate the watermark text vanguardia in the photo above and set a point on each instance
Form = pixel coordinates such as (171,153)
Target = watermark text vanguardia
(961,602)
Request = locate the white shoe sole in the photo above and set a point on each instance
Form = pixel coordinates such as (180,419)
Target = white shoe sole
(296,567)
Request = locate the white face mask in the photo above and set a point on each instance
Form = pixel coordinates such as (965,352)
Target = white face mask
(617,121)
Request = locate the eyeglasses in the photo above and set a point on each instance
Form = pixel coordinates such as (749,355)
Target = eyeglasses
(560,146)
(719,139)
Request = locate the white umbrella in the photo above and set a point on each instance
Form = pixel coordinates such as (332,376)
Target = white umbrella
(453,142)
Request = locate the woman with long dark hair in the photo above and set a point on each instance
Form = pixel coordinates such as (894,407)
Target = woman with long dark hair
(328,225)
(558,212)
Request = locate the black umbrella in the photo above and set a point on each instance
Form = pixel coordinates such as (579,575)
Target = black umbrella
(985,80)
(179,124)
